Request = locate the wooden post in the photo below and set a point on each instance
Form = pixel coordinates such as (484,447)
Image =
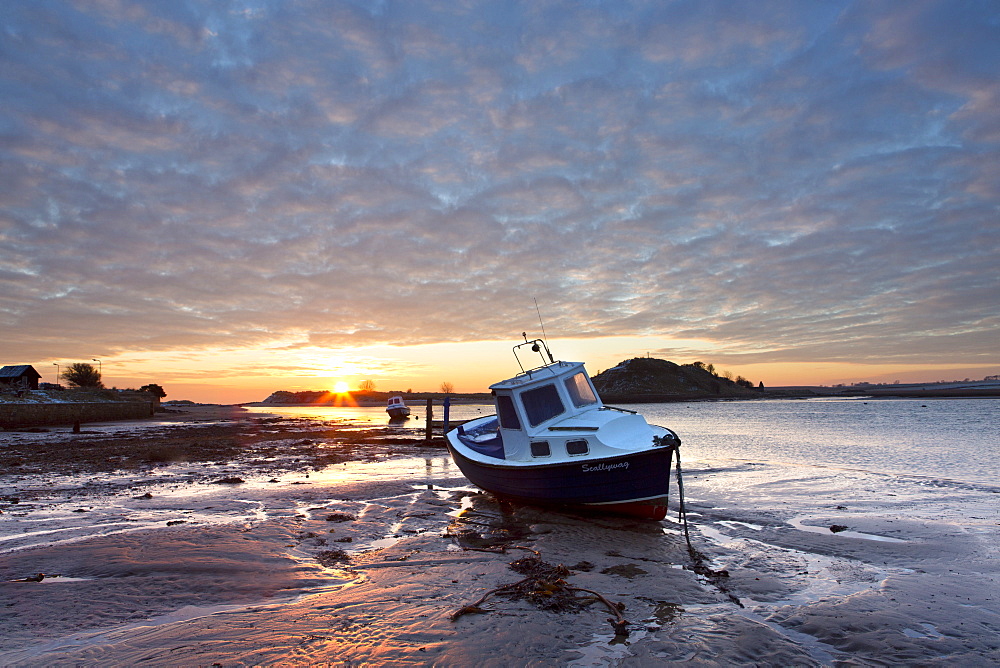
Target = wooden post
(447,406)
(430,419)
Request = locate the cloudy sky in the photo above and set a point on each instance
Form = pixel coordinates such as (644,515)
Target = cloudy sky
(231,198)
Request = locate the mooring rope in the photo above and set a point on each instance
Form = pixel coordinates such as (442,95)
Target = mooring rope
(699,560)
(682,517)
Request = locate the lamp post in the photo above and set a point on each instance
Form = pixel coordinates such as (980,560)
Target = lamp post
(56,365)
(99,370)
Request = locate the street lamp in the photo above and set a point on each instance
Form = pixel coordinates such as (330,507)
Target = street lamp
(56,365)
(98,366)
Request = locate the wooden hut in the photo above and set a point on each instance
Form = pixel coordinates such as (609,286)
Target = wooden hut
(19,377)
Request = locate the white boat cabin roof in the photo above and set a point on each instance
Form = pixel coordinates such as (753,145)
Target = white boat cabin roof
(537,376)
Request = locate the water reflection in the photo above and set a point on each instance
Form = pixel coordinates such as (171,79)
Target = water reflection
(375,415)
(488,523)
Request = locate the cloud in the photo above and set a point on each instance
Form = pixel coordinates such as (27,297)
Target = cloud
(790,182)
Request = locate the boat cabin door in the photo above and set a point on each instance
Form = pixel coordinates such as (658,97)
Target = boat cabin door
(515,439)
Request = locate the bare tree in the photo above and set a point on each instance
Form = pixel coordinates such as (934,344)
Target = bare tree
(367,386)
(447,387)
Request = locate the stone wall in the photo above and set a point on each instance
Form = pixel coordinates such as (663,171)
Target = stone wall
(15,415)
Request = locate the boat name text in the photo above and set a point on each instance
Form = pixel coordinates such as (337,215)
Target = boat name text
(587,468)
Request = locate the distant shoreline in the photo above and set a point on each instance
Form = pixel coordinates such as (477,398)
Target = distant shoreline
(770,394)
(367,403)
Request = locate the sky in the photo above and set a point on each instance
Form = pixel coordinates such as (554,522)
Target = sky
(230,198)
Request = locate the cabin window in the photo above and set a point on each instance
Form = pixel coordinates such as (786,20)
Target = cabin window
(540,449)
(580,391)
(505,409)
(541,404)
(577,447)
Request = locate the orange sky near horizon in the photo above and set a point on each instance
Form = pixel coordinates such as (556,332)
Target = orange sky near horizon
(241,376)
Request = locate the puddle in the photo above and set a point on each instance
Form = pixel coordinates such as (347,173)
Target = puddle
(797,522)
(929,632)
(821,577)
(606,649)
(732,524)
(481,523)
(664,613)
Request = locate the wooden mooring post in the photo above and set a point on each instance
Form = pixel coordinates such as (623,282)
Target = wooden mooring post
(430,420)
(447,407)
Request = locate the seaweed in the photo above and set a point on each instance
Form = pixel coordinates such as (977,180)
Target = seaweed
(546,587)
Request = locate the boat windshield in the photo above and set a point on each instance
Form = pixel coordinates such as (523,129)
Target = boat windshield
(541,404)
(580,391)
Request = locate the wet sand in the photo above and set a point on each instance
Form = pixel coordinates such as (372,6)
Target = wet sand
(353,549)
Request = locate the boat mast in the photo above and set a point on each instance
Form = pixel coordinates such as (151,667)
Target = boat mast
(545,339)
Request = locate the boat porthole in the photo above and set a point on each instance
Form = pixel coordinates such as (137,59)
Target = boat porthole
(540,449)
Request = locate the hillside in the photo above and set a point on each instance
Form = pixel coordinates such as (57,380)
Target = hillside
(647,379)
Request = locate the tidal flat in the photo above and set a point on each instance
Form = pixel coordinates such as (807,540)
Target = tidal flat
(221,536)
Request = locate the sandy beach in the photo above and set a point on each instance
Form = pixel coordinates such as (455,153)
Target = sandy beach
(220,537)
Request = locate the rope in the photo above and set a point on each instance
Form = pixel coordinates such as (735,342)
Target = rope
(682,517)
(699,560)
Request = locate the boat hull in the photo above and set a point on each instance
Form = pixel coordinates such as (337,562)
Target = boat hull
(398,413)
(633,484)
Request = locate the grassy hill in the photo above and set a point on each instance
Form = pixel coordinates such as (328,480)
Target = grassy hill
(644,379)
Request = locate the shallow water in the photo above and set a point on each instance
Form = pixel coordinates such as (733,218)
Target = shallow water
(376,415)
(955,439)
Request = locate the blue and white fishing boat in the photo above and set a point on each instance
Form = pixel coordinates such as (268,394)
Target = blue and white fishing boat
(554,442)
(397,409)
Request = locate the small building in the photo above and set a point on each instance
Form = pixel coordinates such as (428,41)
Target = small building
(19,377)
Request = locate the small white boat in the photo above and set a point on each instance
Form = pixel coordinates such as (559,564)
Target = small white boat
(396,409)
(553,441)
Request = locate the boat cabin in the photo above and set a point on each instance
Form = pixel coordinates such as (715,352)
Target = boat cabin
(532,403)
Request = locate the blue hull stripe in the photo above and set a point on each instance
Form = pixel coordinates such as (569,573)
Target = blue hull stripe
(634,477)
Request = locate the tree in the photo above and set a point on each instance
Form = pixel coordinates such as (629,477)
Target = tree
(153,389)
(81,374)
(447,387)
(367,386)
(711,369)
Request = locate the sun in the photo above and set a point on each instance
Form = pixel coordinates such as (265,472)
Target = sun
(340,387)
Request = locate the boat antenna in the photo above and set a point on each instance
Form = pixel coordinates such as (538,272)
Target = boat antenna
(544,338)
